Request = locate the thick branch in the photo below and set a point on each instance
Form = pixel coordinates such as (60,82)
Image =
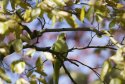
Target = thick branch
(73,29)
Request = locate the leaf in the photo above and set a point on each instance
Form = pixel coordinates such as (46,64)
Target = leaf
(27,15)
(3,5)
(59,2)
(33,79)
(115,81)
(18,66)
(39,64)
(118,58)
(29,73)
(53,20)
(106,68)
(99,18)
(22,81)
(30,52)
(4,76)
(70,20)
(18,45)
(3,28)
(82,14)
(35,12)
(42,80)
(112,23)
(119,5)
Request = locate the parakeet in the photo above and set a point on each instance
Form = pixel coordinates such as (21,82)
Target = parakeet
(59,46)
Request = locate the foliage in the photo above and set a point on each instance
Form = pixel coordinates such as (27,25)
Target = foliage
(17,37)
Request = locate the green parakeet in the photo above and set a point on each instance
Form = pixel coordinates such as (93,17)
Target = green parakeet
(59,46)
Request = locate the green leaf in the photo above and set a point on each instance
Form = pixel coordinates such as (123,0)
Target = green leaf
(59,2)
(115,81)
(39,64)
(30,52)
(70,20)
(4,76)
(106,68)
(29,73)
(27,15)
(82,14)
(3,28)
(18,66)
(99,18)
(54,20)
(33,79)
(89,13)
(42,80)
(118,58)
(18,45)
(3,5)
(35,12)
(112,23)
(22,81)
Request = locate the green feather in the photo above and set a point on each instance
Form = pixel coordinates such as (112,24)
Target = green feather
(59,46)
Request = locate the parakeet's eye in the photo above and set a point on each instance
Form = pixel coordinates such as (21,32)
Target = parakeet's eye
(64,38)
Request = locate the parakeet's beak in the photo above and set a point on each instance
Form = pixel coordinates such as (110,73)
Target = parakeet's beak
(64,37)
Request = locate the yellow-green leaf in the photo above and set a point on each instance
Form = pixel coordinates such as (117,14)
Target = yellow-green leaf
(18,45)
(39,64)
(4,76)
(42,80)
(35,12)
(27,15)
(119,5)
(18,66)
(54,20)
(82,14)
(115,81)
(3,28)
(71,22)
(106,68)
(22,81)
(59,2)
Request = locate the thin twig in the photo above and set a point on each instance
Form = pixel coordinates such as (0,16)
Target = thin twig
(67,72)
(97,74)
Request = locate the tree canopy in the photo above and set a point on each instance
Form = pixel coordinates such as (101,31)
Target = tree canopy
(28,28)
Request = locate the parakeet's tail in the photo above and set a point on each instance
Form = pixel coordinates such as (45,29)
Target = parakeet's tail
(56,72)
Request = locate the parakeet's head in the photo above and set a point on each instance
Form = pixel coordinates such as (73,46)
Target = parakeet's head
(62,36)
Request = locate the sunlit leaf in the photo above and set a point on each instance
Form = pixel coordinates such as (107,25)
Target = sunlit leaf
(4,76)
(89,13)
(35,13)
(115,81)
(39,64)
(59,2)
(18,45)
(3,28)
(54,20)
(97,82)
(99,18)
(71,22)
(112,23)
(82,14)
(30,52)
(3,5)
(119,5)
(18,66)
(118,58)
(42,80)
(29,73)
(22,81)
(105,69)
(33,79)
(27,15)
